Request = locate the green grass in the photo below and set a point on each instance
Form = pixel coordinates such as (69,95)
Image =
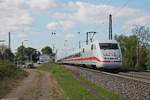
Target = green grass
(71,87)
(9,74)
(74,88)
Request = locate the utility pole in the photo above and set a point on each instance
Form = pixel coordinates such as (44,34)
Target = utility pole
(79,41)
(22,51)
(79,44)
(110,27)
(9,36)
(53,49)
(87,38)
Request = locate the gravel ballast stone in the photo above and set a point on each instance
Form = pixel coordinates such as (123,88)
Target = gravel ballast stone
(130,89)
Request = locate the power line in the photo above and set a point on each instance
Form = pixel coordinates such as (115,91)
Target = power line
(121,8)
(106,8)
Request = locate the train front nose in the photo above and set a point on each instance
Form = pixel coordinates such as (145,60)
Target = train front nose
(112,59)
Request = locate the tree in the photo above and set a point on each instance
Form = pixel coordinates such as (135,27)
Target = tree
(143,35)
(20,54)
(128,47)
(27,54)
(46,50)
(8,55)
(148,61)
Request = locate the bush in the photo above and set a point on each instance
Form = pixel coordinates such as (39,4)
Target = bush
(9,70)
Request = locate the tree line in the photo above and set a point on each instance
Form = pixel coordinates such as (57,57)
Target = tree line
(24,54)
(136,48)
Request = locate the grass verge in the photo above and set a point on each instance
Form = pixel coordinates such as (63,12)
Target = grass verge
(9,76)
(73,88)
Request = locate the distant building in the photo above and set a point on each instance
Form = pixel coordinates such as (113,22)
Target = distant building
(46,58)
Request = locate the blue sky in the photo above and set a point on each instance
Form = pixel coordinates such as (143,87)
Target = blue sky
(35,20)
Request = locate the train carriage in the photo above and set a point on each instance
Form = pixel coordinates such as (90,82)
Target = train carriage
(103,54)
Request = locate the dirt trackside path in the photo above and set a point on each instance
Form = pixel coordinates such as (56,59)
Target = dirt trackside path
(39,85)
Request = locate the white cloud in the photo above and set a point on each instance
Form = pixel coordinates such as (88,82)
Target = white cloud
(93,13)
(22,36)
(42,4)
(67,24)
(58,15)
(86,13)
(53,25)
(14,17)
(143,21)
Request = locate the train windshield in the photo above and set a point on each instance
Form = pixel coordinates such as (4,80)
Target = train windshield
(108,46)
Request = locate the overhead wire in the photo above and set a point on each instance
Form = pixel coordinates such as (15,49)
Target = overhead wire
(117,12)
(106,8)
(121,8)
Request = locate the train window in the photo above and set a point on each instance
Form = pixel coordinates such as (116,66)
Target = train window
(83,50)
(92,47)
(77,55)
(106,46)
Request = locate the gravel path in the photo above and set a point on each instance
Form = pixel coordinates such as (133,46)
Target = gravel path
(130,89)
(39,85)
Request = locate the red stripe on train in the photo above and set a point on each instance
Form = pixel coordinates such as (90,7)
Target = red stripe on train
(90,58)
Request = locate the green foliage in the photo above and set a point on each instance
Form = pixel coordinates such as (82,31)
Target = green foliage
(143,35)
(7,55)
(128,46)
(69,84)
(29,54)
(9,74)
(47,50)
(148,60)
(143,58)
(8,70)
(20,53)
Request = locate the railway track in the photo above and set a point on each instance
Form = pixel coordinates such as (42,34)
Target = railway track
(132,85)
(136,76)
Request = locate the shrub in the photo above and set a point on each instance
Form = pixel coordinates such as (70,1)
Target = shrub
(9,70)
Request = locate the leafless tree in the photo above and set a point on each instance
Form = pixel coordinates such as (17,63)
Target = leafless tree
(143,36)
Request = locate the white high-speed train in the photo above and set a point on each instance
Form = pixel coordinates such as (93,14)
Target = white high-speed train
(103,54)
